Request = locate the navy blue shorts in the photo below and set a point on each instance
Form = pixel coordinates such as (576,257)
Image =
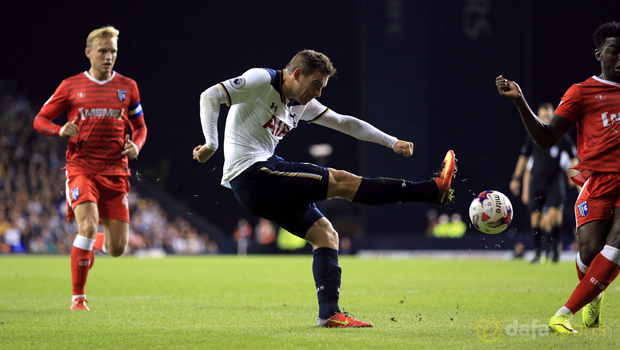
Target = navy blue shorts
(283,192)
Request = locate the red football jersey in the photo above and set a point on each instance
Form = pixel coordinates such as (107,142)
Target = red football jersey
(103,109)
(595,106)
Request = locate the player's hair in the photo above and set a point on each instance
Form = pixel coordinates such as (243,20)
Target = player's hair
(546,105)
(604,31)
(108,32)
(309,61)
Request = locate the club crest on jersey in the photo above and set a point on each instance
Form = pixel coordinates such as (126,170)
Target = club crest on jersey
(75,194)
(122,95)
(583,208)
(238,82)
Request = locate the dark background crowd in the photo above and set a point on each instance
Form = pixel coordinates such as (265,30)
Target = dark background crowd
(421,71)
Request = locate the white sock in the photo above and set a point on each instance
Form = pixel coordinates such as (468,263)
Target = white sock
(583,267)
(564,310)
(612,254)
(78,296)
(83,243)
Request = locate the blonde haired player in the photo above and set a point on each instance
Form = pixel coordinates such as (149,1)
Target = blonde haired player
(100,105)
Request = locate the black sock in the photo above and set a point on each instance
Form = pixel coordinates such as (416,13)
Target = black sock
(327,279)
(384,190)
(537,235)
(555,242)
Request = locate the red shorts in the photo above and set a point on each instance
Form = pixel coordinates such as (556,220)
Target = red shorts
(599,196)
(108,192)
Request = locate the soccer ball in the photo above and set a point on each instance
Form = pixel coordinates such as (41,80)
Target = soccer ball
(490,212)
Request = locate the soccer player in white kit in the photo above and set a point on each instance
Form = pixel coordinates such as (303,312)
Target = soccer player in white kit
(265,106)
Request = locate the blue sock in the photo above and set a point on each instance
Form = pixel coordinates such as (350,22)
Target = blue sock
(384,190)
(327,279)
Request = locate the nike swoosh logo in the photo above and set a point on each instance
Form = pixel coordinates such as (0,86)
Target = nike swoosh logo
(344,323)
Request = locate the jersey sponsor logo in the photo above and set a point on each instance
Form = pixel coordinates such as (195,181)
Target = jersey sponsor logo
(75,193)
(122,95)
(277,127)
(238,82)
(583,208)
(613,119)
(101,113)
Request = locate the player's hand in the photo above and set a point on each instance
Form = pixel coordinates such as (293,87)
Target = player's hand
(202,153)
(515,186)
(508,88)
(131,150)
(70,129)
(403,147)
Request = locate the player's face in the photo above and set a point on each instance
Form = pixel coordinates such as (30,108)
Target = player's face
(102,56)
(310,87)
(544,114)
(609,56)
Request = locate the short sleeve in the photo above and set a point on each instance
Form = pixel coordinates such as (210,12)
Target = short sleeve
(314,111)
(570,106)
(56,104)
(247,87)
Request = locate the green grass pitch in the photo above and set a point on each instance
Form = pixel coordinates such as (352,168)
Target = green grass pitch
(269,302)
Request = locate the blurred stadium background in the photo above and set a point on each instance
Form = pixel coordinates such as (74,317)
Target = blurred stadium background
(422,71)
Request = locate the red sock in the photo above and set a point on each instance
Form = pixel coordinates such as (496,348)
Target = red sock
(99,242)
(600,274)
(80,264)
(580,273)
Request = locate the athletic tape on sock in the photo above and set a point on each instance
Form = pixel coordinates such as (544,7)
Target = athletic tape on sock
(612,254)
(83,243)
(583,267)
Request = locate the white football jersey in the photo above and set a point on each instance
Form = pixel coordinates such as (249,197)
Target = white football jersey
(259,118)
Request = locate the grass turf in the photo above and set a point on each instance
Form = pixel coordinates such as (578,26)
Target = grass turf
(269,302)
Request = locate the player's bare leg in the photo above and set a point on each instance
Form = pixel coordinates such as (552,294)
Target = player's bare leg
(87,218)
(327,273)
(116,236)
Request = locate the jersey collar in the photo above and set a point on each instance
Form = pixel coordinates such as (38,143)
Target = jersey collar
(605,81)
(100,82)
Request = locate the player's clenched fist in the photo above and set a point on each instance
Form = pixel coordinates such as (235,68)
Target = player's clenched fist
(403,147)
(202,153)
(508,88)
(70,129)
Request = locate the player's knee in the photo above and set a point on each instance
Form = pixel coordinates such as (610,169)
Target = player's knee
(116,251)
(342,184)
(88,228)
(588,252)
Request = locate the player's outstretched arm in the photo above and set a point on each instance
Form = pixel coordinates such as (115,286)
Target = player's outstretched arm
(545,135)
(364,131)
(403,147)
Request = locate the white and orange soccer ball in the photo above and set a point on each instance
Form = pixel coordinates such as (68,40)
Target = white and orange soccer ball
(491,212)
